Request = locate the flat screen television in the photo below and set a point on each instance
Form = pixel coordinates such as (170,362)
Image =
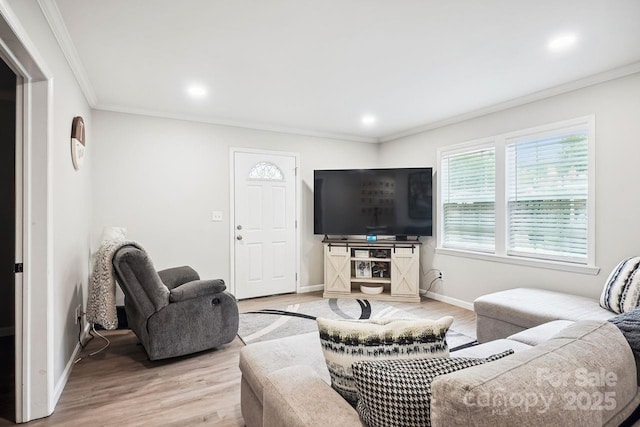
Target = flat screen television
(389,202)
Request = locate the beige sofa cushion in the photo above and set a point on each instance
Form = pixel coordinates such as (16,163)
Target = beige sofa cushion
(528,307)
(297,397)
(491,348)
(260,359)
(544,381)
(540,333)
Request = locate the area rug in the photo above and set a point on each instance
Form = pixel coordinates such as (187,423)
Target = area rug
(296,319)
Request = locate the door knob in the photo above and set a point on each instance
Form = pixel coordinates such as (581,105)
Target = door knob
(239,227)
(239,237)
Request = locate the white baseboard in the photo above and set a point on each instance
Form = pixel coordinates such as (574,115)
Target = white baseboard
(312,288)
(62,382)
(448,300)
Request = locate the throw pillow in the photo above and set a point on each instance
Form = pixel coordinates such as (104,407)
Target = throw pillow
(398,392)
(621,291)
(347,341)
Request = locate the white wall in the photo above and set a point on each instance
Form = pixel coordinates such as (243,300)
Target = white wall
(70,190)
(161,178)
(616,105)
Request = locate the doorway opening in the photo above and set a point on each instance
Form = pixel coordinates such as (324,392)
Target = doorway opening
(8,191)
(34,376)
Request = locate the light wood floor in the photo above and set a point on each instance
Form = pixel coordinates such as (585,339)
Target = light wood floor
(120,387)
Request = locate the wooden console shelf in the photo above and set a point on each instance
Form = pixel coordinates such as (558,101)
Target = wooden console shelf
(395,264)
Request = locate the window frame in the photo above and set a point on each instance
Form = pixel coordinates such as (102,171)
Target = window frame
(500,253)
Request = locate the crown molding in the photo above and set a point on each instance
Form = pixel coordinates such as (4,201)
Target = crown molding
(58,27)
(234,123)
(15,57)
(516,102)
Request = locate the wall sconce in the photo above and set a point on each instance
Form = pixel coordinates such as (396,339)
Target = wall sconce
(78,142)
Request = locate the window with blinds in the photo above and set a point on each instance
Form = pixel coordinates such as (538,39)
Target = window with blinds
(522,196)
(547,189)
(468,200)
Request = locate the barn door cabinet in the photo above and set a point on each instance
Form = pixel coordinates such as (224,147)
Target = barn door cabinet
(395,265)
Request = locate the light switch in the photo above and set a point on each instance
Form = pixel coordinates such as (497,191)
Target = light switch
(216,216)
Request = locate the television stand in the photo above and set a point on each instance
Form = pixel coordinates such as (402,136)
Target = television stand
(392,264)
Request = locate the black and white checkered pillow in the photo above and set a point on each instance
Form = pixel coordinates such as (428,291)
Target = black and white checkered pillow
(398,392)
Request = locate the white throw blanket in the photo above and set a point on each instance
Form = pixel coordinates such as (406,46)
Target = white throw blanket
(101,303)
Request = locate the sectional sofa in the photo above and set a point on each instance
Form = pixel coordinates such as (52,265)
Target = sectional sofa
(505,313)
(565,371)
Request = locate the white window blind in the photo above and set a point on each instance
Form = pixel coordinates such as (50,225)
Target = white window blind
(523,197)
(468,200)
(547,189)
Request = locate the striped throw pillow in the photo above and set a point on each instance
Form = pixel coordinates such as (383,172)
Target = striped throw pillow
(621,292)
(345,342)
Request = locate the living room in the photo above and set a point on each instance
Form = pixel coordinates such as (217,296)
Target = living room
(161,173)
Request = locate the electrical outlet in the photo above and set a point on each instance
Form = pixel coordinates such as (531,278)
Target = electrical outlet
(440,275)
(216,216)
(79,313)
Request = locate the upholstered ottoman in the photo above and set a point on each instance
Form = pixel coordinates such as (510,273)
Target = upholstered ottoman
(505,313)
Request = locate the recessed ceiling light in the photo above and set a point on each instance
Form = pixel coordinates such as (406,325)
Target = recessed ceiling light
(197,91)
(368,120)
(562,42)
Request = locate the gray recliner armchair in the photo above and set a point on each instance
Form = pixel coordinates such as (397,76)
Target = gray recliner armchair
(172,311)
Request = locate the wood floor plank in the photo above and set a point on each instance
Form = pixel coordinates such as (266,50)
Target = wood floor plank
(121,387)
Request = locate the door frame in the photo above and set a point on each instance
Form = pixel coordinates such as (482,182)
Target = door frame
(232,209)
(35,397)
(19,248)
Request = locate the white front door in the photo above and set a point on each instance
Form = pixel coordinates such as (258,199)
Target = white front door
(264,223)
